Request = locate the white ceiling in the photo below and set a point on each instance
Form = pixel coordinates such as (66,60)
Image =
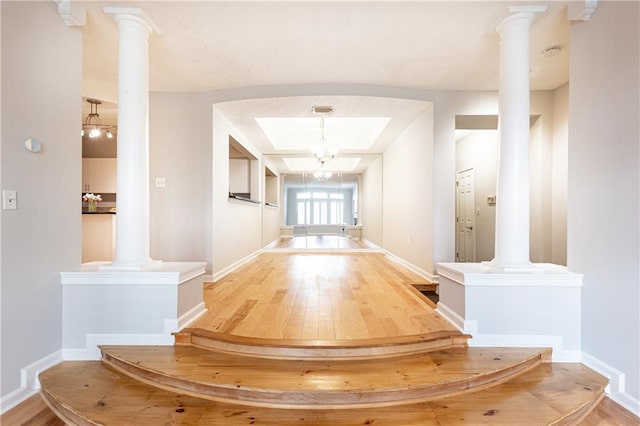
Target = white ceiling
(207,46)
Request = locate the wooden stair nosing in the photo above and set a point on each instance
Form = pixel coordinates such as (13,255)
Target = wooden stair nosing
(95,392)
(322,349)
(319,399)
(64,412)
(578,415)
(318,354)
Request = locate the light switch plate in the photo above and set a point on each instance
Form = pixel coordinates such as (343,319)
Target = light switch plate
(9,199)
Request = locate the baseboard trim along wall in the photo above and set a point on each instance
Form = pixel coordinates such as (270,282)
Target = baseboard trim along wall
(235,265)
(413,268)
(29,384)
(616,387)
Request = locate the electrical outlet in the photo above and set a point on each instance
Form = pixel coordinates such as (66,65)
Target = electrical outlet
(160,183)
(9,199)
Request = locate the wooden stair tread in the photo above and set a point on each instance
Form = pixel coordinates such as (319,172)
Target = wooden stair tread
(90,392)
(228,377)
(322,349)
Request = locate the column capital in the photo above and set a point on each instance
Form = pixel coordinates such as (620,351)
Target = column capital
(134,14)
(523,14)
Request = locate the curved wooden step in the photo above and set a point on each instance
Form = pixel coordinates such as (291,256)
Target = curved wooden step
(89,392)
(320,384)
(322,349)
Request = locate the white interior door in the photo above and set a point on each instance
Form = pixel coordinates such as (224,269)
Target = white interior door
(465,217)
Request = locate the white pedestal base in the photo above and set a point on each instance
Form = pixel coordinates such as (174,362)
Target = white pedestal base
(501,308)
(128,307)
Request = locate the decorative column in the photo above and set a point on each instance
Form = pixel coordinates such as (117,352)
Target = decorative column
(132,219)
(512,209)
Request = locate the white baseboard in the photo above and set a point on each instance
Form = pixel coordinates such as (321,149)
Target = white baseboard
(616,387)
(273,243)
(369,243)
(191,315)
(225,271)
(29,384)
(450,315)
(410,266)
(207,278)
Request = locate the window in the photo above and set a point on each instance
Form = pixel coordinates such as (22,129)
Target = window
(319,208)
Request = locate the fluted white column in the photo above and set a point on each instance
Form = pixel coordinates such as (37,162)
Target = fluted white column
(132,218)
(512,208)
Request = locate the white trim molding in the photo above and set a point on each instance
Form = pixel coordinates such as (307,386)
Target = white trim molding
(616,387)
(582,11)
(410,266)
(450,315)
(187,318)
(235,265)
(29,384)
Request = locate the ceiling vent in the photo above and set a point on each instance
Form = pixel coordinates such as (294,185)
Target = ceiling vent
(322,109)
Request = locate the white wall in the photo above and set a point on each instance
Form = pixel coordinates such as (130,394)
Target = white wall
(407,185)
(236,226)
(180,152)
(540,179)
(479,151)
(240,176)
(41,98)
(271,215)
(370,217)
(559,175)
(603,188)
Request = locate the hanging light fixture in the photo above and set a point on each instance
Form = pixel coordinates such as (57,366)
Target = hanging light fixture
(322,176)
(321,151)
(92,125)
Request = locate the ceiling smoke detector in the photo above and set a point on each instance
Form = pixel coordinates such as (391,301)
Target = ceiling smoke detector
(322,109)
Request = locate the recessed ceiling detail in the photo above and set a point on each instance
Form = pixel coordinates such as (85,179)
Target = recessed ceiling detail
(300,133)
(340,164)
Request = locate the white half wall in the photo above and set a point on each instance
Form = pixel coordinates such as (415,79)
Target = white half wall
(603,240)
(42,99)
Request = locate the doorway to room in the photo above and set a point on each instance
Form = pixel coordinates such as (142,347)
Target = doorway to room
(476,177)
(465,217)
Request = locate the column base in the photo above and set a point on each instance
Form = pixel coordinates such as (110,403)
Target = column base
(130,267)
(513,267)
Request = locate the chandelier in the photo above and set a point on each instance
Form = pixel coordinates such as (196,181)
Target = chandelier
(92,125)
(322,176)
(321,151)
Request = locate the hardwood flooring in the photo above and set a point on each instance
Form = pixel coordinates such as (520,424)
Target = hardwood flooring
(319,296)
(321,242)
(324,338)
(548,394)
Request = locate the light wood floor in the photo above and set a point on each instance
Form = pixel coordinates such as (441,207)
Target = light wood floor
(324,296)
(321,242)
(34,412)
